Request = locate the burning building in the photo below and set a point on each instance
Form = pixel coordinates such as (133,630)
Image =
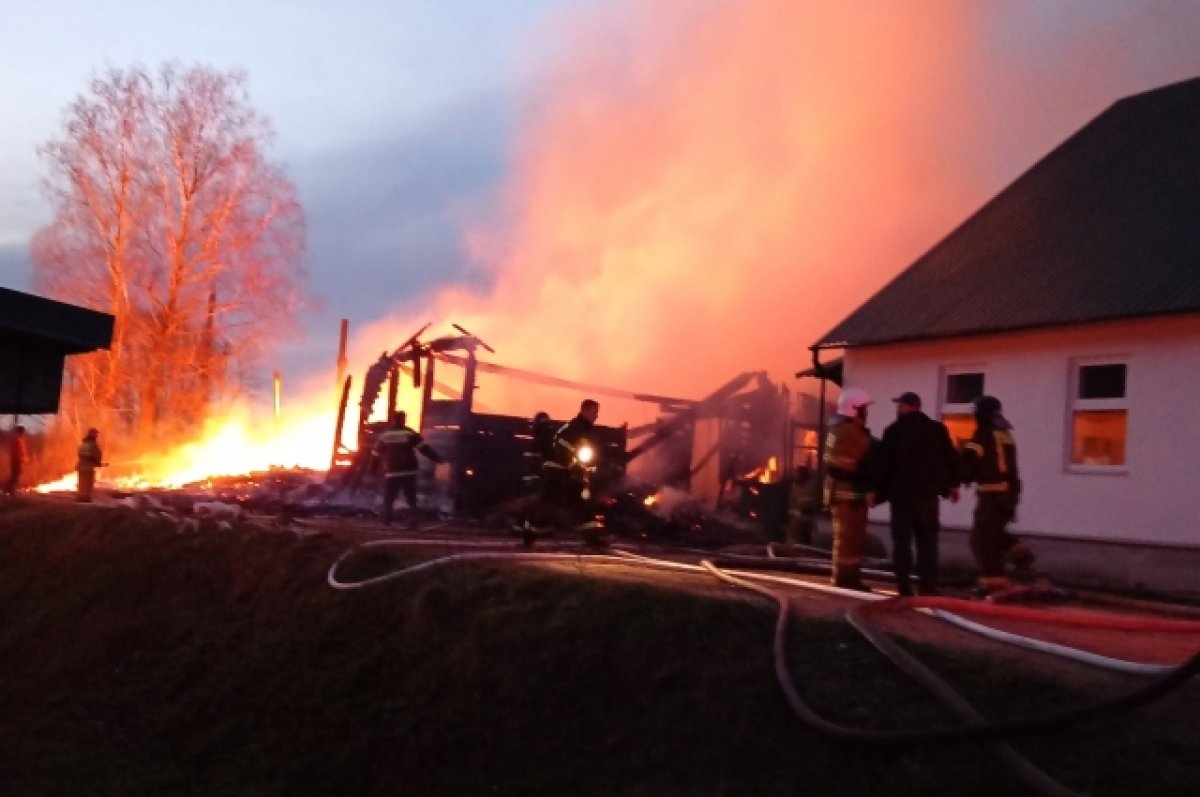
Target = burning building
(741,442)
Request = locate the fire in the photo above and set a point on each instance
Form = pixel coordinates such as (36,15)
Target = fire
(764,474)
(233,444)
(672,182)
(770,472)
(650,500)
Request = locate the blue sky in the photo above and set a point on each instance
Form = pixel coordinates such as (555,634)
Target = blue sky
(398,119)
(389,115)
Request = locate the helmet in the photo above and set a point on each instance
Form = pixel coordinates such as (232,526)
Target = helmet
(852,400)
(987,405)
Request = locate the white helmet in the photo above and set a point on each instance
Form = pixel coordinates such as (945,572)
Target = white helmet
(852,400)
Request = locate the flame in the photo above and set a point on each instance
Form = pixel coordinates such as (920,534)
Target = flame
(650,500)
(234,443)
(770,471)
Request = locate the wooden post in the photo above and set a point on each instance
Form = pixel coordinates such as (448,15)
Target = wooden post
(341,420)
(341,358)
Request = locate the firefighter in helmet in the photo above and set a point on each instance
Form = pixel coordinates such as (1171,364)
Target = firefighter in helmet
(397,448)
(848,485)
(990,461)
(566,475)
(90,458)
(541,446)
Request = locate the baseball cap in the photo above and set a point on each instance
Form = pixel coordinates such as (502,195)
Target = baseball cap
(908,397)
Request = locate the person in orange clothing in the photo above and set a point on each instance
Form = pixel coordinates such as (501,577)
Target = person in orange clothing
(18,455)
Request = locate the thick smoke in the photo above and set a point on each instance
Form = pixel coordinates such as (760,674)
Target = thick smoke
(700,189)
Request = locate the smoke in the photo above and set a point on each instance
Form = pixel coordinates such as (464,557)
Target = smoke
(700,189)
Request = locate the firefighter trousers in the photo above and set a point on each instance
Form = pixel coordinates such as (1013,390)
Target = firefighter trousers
(392,487)
(990,539)
(87,481)
(849,539)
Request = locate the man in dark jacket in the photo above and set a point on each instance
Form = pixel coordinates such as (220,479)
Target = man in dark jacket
(398,448)
(990,460)
(918,466)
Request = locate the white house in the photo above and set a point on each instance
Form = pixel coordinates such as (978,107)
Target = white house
(1074,297)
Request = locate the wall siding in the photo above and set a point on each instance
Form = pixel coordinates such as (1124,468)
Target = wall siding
(1030,372)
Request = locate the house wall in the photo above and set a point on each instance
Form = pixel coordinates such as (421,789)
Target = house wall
(1151,500)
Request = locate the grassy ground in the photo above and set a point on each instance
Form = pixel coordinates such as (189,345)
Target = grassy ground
(137,661)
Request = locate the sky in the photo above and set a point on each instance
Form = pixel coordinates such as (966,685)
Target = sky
(648,194)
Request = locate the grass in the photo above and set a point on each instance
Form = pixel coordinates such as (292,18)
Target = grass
(134,661)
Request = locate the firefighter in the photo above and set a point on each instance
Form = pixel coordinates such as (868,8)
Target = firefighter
(848,485)
(90,458)
(397,448)
(990,461)
(541,445)
(18,455)
(566,475)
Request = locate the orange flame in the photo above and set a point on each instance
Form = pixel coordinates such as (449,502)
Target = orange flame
(232,444)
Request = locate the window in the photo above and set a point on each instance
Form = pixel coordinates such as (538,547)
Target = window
(1099,415)
(960,387)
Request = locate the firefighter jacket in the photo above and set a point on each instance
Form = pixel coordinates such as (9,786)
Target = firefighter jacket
(568,439)
(917,459)
(90,457)
(398,449)
(541,446)
(990,460)
(847,463)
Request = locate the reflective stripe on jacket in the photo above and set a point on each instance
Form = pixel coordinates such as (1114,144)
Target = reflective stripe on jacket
(398,449)
(990,460)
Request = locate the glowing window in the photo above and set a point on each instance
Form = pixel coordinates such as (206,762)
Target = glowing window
(961,426)
(1099,415)
(960,387)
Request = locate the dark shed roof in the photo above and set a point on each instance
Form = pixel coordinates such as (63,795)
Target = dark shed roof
(66,328)
(36,335)
(1106,226)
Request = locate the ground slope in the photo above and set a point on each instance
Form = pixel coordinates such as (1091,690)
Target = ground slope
(138,660)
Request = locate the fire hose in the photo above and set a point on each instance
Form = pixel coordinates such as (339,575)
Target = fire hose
(976,727)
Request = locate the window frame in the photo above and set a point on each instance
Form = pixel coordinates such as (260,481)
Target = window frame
(958,408)
(1076,404)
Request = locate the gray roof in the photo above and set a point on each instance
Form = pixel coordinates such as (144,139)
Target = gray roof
(1107,226)
(54,326)
(36,335)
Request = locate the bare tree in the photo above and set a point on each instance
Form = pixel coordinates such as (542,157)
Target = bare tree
(168,215)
